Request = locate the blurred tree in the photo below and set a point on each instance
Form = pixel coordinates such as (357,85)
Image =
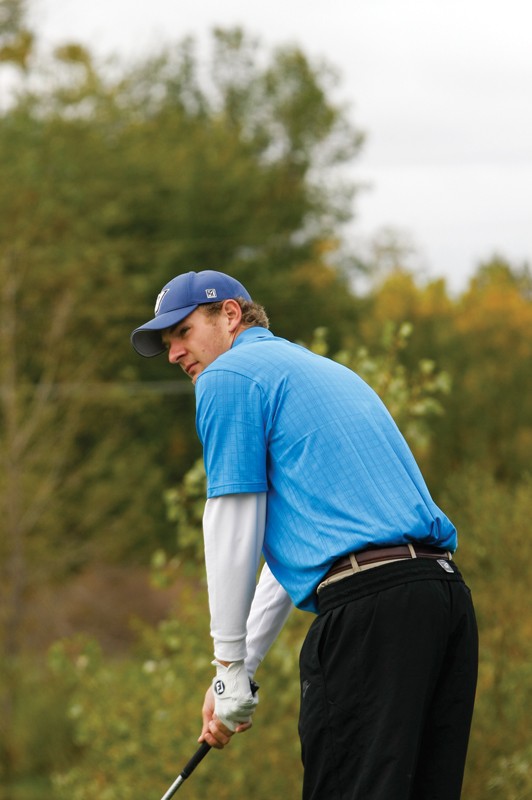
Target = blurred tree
(495,557)
(400,297)
(482,340)
(110,184)
(228,180)
(16,41)
(489,418)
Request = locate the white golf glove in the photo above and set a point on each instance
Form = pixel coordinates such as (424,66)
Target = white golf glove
(234,694)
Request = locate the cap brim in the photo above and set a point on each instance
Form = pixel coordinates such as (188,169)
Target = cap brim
(147,340)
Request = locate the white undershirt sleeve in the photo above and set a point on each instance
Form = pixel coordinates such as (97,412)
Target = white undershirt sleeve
(233,530)
(245,618)
(269,612)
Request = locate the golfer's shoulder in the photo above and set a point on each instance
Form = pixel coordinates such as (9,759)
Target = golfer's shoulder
(250,372)
(254,358)
(230,373)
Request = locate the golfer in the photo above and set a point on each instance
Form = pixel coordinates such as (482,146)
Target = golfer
(306,467)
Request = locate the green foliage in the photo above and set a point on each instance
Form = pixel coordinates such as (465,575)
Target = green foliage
(16,42)
(482,340)
(136,721)
(40,737)
(185,504)
(124,716)
(495,553)
(512,776)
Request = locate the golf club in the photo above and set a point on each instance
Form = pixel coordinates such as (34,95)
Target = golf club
(200,753)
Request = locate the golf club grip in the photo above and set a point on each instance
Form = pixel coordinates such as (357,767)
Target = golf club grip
(200,753)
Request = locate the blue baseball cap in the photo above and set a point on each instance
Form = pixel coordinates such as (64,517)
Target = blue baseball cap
(179,298)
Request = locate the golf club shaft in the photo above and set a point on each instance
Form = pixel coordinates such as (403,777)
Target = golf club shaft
(200,753)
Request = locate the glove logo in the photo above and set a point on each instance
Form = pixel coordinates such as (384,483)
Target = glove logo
(219,687)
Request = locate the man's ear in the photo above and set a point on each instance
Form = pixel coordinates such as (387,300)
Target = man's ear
(233,313)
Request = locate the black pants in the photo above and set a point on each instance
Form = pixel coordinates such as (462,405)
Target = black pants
(388,677)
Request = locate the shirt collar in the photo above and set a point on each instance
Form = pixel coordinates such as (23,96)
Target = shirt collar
(252,335)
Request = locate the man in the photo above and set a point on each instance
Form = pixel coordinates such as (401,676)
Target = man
(305,466)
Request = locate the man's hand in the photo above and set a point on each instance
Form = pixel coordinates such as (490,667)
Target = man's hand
(228,705)
(234,702)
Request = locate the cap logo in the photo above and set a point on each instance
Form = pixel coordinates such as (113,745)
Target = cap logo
(160,298)
(211,294)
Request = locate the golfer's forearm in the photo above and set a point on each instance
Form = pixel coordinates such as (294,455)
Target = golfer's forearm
(269,611)
(233,527)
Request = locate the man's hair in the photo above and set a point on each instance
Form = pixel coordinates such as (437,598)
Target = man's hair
(252,313)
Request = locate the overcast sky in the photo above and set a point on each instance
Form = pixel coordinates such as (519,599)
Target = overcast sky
(442,88)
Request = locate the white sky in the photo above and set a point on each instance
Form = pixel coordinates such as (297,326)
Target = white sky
(442,88)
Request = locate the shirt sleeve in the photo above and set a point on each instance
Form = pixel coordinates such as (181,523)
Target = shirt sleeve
(269,612)
(232,423)
(233,529)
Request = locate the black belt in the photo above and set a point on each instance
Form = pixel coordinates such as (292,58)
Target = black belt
(356,562)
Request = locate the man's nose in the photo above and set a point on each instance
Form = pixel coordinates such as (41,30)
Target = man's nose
(175,352)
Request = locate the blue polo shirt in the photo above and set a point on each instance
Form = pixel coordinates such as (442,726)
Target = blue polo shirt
(274,417)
